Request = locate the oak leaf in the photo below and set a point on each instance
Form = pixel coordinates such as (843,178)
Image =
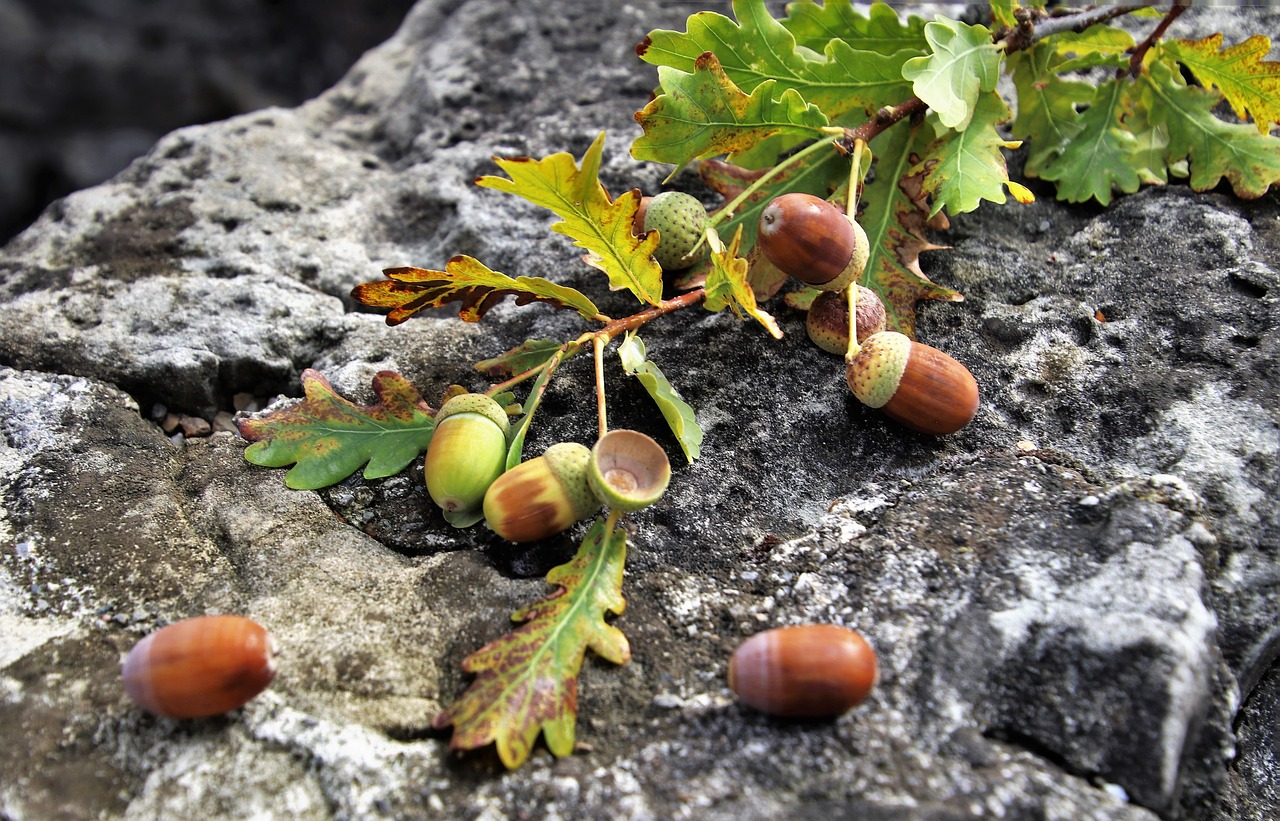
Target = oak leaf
(327,438)
(527,681)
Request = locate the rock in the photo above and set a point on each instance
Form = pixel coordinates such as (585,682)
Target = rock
(85,90)
(1073,599)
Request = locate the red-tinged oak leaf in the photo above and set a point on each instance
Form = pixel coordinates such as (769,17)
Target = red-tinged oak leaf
(527,681)
(327,438)
(897,220)
(467,280)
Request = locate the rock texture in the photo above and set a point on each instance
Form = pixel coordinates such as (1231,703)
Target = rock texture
(1074,600)
(87,87)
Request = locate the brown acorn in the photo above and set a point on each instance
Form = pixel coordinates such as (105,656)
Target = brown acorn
(200,667)
(813,241)
(541,497)
(808,671)
(828,319)
(914,384)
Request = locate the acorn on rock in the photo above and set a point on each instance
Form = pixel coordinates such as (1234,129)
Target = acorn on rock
(541,497)
(828,319)
(468,451)
(805,671)
(914,384)
(680,221)
(200,667)
(813,241)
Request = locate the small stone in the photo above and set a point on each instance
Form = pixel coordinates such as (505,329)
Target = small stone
(195,426)
(225,421)
(170,422)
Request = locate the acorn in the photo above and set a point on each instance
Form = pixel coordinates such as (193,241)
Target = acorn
(637,221)
(680,221)
(541,497)
(200,667)
(628,470)
(828,319)
(808,671)
(813,241)
(914,384)
(468,451)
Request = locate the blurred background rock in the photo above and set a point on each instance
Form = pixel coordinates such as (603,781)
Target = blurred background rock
(88,85)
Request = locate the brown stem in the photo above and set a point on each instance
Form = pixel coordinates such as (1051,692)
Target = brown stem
(630,323)
(603,336)
(1140,52)
(883,119)
(1030,31)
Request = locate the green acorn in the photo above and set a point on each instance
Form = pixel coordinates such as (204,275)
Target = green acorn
(468,451)
(543,496)
(628,470)
(680,221)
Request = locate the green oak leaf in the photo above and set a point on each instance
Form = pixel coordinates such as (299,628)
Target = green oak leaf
(881,31)
(963,168)
(704,114)
(515,450)
(327,438)
(964,63)
(849,76)
(1099,46)
(1104,153)
(527,681)
(1215,150)
(601,226)
(674,409)
(1048,106)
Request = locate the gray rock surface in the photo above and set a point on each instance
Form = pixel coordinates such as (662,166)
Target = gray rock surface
(1073,600)
(87,87)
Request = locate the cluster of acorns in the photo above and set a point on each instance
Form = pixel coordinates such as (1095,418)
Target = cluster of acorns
(814,242)
(211,664)
(464,470)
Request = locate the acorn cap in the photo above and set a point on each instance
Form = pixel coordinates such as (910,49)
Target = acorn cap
(680,220)
(569,462)
(877,369)
(629,471)
(476,403)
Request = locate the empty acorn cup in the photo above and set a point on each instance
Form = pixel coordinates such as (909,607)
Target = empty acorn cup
(629,470)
